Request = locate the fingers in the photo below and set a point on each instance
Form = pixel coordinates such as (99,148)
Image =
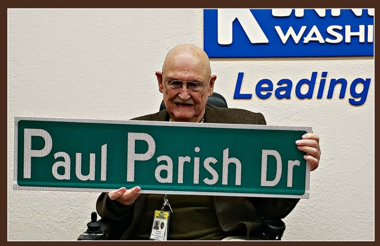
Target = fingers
(310,145)
(311,135)
(314,162)
(130,196)
(116,193)
(125,196)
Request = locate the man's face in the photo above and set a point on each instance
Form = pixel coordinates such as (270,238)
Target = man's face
(184,104)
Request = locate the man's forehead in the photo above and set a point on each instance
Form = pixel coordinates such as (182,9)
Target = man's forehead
(184,59)
(181,79)
(184,77)
(195,70)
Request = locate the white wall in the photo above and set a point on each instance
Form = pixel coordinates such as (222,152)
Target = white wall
(100,64)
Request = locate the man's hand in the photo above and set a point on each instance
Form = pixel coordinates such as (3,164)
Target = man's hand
(124,196)
(310,144)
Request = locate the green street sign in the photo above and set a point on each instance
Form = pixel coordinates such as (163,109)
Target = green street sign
(160,157)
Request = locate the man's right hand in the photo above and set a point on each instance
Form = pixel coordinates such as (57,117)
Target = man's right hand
(125,196)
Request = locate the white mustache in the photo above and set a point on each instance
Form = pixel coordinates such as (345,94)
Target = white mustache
(180,101)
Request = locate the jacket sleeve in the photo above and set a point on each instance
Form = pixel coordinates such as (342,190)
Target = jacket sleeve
(274,208)
(112,210)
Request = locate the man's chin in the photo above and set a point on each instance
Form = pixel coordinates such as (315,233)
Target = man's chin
(183,117)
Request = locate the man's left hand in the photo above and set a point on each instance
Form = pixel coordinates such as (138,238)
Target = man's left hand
(310,144)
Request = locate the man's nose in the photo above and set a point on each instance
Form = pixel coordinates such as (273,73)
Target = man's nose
(184,93)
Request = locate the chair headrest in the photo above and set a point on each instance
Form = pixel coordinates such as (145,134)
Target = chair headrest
(217,100)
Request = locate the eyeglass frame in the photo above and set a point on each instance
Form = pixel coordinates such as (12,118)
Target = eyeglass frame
(187,82)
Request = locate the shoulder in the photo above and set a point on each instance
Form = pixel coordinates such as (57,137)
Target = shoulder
(159,116)
(233,116)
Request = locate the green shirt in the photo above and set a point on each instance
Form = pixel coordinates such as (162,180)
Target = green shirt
(193,218)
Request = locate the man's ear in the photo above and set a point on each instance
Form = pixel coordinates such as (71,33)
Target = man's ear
(211,87)
(160,82)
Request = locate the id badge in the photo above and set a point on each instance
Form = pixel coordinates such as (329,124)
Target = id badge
(160,225)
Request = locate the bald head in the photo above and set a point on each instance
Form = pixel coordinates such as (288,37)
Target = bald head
(187,53)
(186,64)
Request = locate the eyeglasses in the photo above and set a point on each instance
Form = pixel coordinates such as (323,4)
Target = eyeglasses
(193,86)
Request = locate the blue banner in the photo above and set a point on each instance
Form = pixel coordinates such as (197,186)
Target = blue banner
(288,32)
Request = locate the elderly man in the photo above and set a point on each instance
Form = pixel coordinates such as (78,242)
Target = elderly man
(186,83)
